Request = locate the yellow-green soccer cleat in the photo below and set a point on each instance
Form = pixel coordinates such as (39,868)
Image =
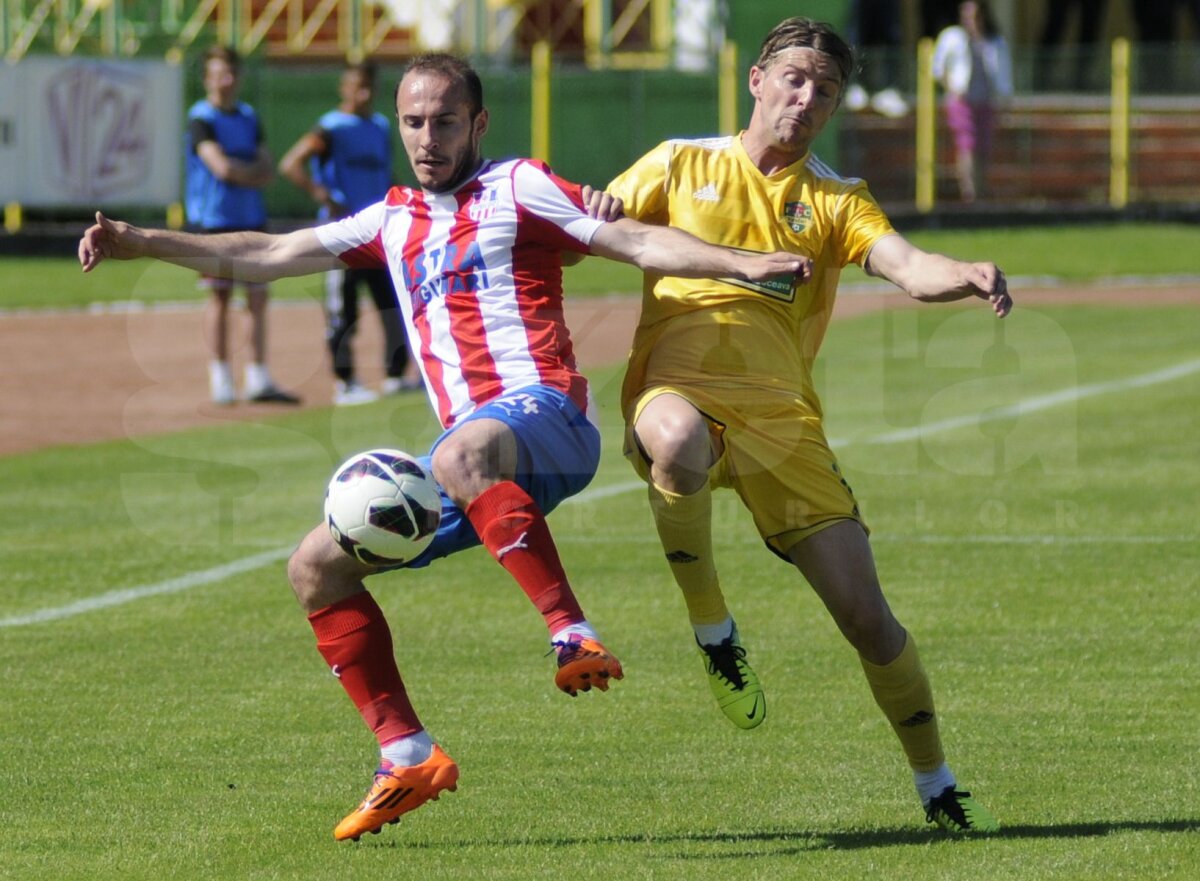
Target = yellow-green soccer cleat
(955,811)
(733,683)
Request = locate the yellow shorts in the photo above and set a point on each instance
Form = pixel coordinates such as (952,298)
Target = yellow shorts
(774,455)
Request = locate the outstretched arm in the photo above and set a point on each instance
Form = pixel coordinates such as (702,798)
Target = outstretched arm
(242,256)
(936,278)
(664,250)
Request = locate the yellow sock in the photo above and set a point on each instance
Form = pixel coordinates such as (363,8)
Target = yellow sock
(685,528)
(902,691)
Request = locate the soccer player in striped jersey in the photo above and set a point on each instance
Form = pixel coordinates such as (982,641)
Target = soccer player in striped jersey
(719,391)
(475,251)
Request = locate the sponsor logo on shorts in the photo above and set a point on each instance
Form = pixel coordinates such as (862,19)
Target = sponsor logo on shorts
(517,403)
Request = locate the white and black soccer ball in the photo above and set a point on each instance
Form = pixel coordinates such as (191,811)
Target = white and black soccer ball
(383,507)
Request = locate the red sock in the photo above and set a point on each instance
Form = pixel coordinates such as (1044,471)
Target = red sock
(354,638)
(511,526)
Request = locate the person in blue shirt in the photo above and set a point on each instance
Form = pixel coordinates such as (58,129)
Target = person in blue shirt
(227,165)
(344,164)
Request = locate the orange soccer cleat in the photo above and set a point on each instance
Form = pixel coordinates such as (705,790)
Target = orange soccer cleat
(583,663)
(398,790)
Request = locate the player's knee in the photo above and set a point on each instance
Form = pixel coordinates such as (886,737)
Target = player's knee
(314,571)
(678,449)
(474,458)
(871,629)
(303,570)
(462,470)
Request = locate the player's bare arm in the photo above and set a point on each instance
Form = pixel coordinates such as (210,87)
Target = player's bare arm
(242,256)
(262,170)
(598,204)
(665,250)
(936,278)
(294,167)
(257,173)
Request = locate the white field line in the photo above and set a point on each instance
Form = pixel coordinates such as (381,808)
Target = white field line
(1029,405)
(1032,405)
(596,493)
(129,594)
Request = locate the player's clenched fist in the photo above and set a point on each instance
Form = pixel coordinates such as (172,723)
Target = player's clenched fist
(989,284)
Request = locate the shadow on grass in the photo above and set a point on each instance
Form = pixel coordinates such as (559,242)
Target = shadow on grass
(798,841)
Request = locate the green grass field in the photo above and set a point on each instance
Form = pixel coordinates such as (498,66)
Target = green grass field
(166,715)
(1071,254)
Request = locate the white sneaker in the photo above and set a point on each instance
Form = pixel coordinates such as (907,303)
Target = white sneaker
(220,383)
(889,103)
(856,97)
(394,385)
(347,394)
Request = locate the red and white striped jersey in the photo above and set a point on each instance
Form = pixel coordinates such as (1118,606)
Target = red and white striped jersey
(478,273)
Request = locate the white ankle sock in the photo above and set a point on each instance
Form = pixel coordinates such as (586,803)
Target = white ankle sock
(411,750)
(714,634)
(931,783)
(583,628)
(258,378)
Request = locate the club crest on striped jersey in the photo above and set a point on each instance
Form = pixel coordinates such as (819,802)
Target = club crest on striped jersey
(483,204)
(797,215)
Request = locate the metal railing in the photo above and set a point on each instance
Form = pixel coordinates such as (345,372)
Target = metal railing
(1115,126)
(615,33)
(1116,112)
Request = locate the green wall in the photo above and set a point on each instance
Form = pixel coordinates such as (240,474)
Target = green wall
(750,20)
(601,121)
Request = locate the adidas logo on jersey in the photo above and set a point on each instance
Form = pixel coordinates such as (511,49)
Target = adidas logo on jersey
(707,193)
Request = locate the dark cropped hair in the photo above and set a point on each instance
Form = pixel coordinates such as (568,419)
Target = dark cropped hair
(366,70)
(986,18)
(795,33)
(222,53)
(454,69)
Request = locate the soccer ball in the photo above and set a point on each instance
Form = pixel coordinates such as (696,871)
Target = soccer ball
(383,507)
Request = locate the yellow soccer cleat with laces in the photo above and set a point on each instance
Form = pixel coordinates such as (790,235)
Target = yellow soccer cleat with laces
(733,683)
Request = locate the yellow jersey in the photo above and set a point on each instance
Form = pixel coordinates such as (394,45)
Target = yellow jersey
(756,340)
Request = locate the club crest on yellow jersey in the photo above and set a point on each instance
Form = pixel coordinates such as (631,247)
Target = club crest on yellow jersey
(797,215)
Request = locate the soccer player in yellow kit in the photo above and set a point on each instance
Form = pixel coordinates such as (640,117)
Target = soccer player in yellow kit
(719,390)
